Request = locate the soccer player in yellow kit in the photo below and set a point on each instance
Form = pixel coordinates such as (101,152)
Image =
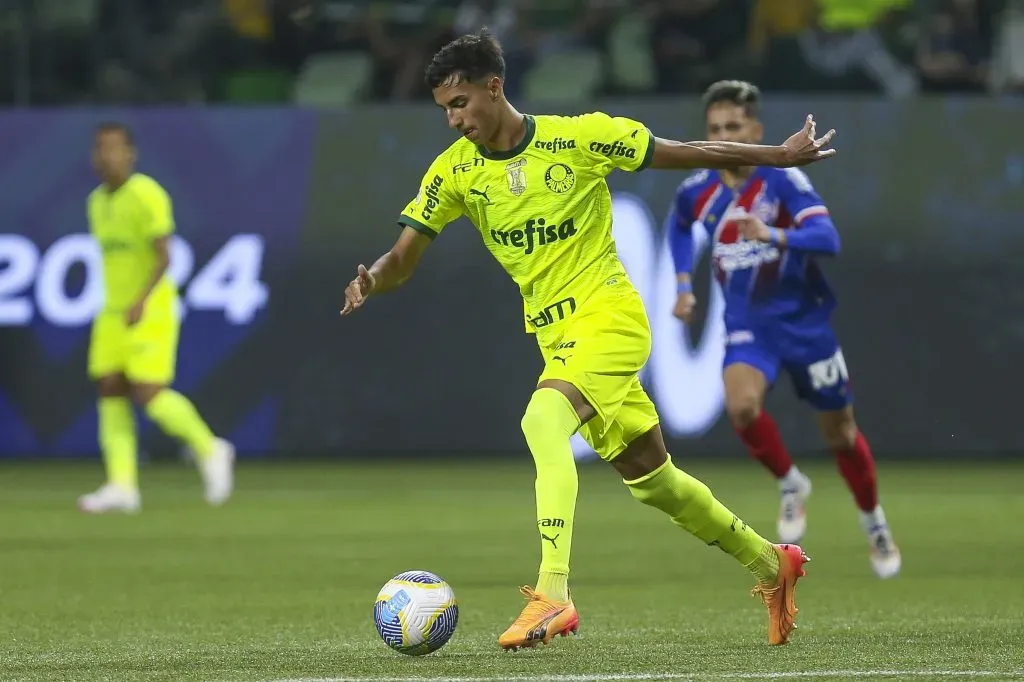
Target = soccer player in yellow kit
(134,341)
(535,188)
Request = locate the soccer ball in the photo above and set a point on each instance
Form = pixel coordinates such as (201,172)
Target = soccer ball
(416,613)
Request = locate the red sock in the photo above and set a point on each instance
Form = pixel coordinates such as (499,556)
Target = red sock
(858,468)
(764,441)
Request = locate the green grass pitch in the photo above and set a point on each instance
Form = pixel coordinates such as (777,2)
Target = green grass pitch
(279,584)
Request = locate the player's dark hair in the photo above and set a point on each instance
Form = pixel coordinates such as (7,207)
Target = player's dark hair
(117,127)
(468,58)
(740,93)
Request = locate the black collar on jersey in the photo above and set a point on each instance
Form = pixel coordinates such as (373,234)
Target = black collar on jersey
(531,128)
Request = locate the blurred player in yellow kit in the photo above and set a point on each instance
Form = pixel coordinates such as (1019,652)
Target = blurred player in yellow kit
(134,342)
(535,188)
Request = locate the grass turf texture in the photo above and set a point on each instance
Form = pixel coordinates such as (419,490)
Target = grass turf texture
(279,584)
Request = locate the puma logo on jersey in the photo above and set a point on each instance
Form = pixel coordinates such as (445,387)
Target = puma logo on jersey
(478,193)
(560,358)
(551,539)
(536,232)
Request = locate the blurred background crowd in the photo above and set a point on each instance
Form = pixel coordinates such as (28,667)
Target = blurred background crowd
(335,52)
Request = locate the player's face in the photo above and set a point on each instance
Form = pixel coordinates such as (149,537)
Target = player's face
(471,108)
(112,155)
(727,122)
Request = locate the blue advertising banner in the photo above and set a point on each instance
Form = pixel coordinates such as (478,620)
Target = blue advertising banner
(238,181)
(275,209)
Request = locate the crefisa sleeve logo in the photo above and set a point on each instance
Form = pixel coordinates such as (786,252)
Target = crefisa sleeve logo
(613,149)
(432,195)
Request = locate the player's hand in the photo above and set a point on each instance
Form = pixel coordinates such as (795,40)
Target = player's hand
(358,290)
(134,313)
(751,227)
(685,304)
(804,148)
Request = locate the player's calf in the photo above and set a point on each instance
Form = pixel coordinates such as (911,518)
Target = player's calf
(117,440)
(745,387)
(177,417)
(854,460)
(765,444)
(548,423)
(856,464)
(691,506)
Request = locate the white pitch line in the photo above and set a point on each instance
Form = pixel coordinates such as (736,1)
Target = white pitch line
(641,677)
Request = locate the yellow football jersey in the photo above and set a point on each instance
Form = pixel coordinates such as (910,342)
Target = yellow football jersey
(543,208)
(125,223)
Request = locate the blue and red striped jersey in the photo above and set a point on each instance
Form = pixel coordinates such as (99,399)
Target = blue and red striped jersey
(760,281)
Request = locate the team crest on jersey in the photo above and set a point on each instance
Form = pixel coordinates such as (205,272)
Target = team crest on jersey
(516,177)
(765,211)
(559,178)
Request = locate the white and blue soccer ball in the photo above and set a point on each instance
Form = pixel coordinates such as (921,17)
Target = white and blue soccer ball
(416,613)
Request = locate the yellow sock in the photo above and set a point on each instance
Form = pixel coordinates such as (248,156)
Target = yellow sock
(177,417)
(693,508)
(548,424)
(554,585)
(117,441)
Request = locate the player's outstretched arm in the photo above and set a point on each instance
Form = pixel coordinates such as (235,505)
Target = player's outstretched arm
(799,150)
(389,272)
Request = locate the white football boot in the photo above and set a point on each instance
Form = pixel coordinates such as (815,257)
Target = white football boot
(885,555)
(111,499)
(218,472)
(794,489)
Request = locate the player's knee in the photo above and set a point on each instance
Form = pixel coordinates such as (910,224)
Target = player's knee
(113,386)
(142,394)
(548,415)
(743,410)
(842,436)
(643,456)
(536,419)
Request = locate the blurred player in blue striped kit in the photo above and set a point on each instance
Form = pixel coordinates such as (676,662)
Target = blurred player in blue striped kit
(768,227)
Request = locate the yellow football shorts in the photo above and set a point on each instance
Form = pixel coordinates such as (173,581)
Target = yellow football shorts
(146,352)
(601,350)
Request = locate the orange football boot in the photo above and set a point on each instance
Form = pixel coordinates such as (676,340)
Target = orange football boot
(542,620)
(780,598)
